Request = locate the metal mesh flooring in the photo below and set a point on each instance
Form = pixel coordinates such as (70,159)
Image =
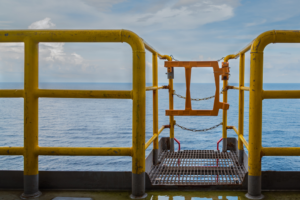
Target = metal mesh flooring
(197,167)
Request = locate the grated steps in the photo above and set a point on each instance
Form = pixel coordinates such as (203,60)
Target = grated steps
(197,167)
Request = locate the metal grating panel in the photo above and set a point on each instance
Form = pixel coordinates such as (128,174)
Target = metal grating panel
(197,167)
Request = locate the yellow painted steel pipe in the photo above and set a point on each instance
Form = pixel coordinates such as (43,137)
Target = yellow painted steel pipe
(85,151)
(11,93)
(156,88)
(70,36)
(241,137)
(235,56)
(150,48)
(165,57)
(155,99)
(30,107)
(112,94)
(161,129)
(138,111)
(281,94)
(255,114)
(244,50)
(228,57)
(244,88)
(281,151)
(31,38)
(241,99)
(224,129)
(155,136)
(11,150)
(171,107)
(275,36)
(233,87)
(238,88)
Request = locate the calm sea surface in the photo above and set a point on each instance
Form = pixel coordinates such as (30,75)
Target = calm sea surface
(108,123)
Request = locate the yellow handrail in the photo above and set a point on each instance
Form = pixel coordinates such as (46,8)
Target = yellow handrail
(241,137)
(156,88)
(257,94)
(31,93)
(155,136)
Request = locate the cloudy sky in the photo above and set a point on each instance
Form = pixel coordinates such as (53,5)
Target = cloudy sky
(186,29)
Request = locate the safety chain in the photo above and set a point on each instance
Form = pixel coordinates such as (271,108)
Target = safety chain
(199,130)
(173,58)
(220,59)
(178,60)
(180,96)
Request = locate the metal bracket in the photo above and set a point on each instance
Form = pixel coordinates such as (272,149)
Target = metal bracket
(170,73)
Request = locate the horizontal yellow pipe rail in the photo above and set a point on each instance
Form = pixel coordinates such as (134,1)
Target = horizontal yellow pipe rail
(152,50)
(11,150)
(281,151)
(112,94)
(85,151)
(156,88)
(154,137)
(240,136)
(281,94)
(245,88)
(11,93)
(238,88)
(150,141)
(232,87)
(235,56)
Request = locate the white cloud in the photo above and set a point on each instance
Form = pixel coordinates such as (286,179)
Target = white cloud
(51,54)
(182,15)
(42,24)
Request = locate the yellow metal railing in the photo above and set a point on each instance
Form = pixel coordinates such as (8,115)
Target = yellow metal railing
(31,93)
(155,88)
(256,96)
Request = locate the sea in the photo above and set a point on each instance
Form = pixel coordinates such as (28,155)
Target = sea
(108,123)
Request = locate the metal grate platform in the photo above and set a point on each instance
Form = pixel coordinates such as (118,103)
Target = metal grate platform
(197,167)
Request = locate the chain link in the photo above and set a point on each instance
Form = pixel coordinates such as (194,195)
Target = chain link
(206,98)
(178,60)
(199,130)
(173,58)
(220,59)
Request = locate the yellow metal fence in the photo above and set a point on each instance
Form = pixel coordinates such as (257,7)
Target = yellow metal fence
(31,93)
(255,149)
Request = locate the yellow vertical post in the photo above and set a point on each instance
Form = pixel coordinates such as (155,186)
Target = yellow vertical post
(155,106)
(138,123)
(255,124)
(31,174)
(241,107)
(171,107)
(224,128)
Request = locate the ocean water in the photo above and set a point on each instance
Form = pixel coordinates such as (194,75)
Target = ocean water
(108,123)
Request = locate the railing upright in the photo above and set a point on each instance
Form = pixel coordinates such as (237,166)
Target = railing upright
(31,128)
(171,107)
(155,106)
(241,107)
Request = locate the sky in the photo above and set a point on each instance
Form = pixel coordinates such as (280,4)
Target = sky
(190,30)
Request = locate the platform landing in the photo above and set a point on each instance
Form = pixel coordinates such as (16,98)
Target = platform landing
(197,167)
